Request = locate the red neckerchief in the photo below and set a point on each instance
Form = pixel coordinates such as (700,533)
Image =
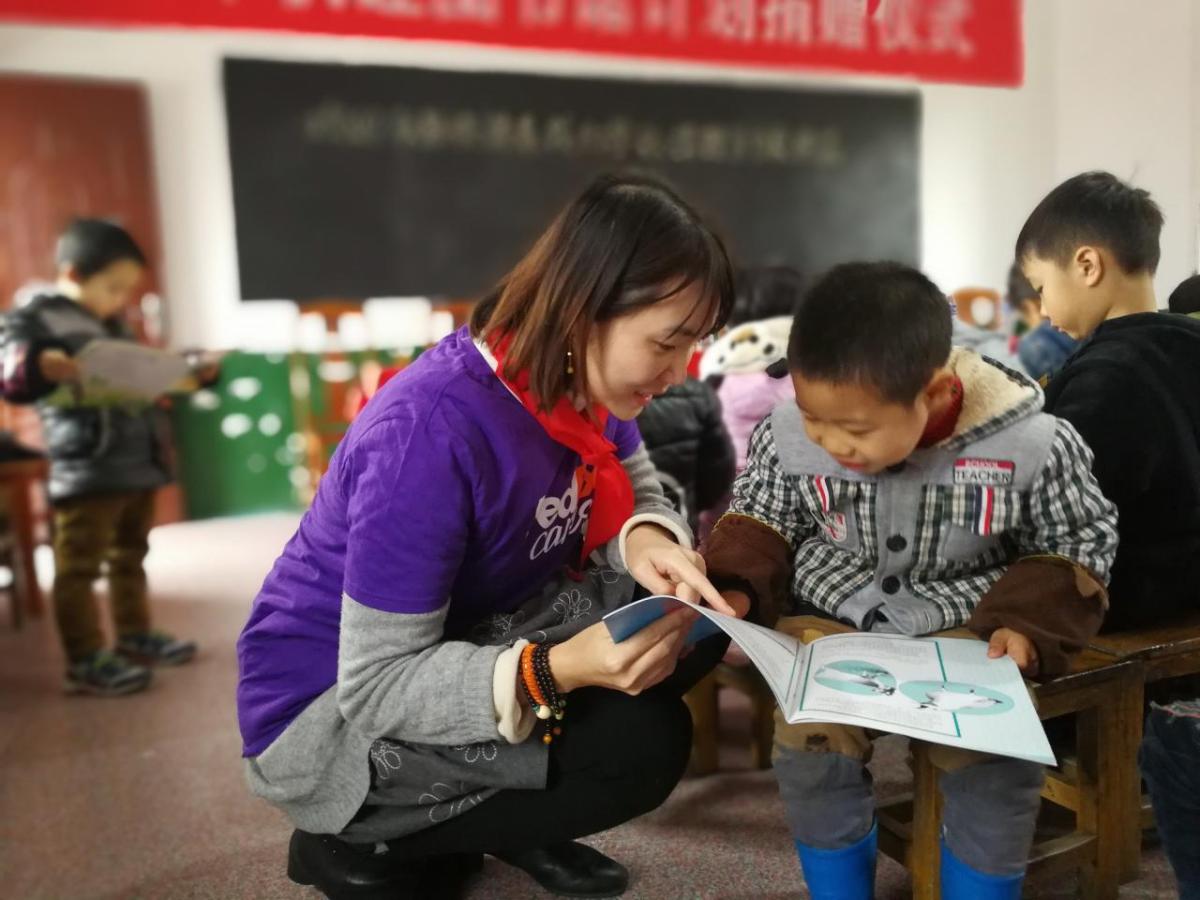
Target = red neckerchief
(942,426)
(600,475)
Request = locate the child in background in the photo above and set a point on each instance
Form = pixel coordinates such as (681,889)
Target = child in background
(736,365)
(1185,299)
(992,344)
(1091,249)
(689,446)
(912,488)
(985,338)
(757,336)
(1042,348)
(105,462)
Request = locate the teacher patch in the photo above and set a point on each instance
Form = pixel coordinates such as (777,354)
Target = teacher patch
(973,470)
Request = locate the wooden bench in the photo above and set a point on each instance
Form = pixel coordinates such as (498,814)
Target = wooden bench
(1097,786)
(702,700)
(1165,652)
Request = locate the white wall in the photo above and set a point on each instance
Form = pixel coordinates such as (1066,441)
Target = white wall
(1126,91)
(985,165)
(988,154)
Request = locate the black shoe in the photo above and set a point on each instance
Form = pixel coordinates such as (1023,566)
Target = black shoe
(446,877)
(105,674)
(344,871)
(156,648)
(571,869)
(339,869)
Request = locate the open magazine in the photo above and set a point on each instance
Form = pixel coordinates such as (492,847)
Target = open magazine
(943,690)
(114,369)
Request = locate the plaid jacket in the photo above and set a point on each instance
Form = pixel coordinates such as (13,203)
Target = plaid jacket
(914,548)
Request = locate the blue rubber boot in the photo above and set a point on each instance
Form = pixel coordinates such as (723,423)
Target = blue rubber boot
(845,874)
(961,882)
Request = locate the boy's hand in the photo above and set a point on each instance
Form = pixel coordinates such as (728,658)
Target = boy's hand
(739,600)
(57,367)
(206,367)
(208,373)
(1006,642)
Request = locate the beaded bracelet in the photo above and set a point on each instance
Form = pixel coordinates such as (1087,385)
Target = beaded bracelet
(538,681)
(529,679)
(545,680)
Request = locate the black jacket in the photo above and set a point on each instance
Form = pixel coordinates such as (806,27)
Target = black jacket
(689,444)
(92,449)
(1133,392)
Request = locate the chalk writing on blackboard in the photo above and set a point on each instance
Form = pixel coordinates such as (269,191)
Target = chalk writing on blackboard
(526,133)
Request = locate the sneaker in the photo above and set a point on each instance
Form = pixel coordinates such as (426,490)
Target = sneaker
(156,648)
(106,674)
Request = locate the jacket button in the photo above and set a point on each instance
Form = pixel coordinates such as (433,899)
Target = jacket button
(891,584)
(896,543)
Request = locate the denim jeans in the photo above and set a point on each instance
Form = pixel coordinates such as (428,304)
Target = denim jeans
(1170,762)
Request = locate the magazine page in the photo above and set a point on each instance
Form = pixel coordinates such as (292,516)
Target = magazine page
(776,656)
(944,690)
(123,369)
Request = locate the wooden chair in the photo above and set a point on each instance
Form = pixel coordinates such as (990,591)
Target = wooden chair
(8,560)
(702,700)
(965,300)
(1165,652)
(1097,786)
(18,479)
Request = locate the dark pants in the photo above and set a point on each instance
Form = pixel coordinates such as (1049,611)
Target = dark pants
(1170,761)
(89,531)
(618,758)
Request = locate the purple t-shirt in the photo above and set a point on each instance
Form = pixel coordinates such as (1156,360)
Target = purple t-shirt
(445,489)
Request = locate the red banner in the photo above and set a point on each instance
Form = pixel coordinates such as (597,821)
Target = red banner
(961,41)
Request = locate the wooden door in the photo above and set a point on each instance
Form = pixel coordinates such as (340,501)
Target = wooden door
(72,148)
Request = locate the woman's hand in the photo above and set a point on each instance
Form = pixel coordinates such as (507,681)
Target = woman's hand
(591,658)
(662,566)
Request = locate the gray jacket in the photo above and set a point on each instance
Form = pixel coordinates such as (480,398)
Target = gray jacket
(914,548)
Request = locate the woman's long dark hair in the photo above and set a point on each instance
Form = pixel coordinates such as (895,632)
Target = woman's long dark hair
(626,242)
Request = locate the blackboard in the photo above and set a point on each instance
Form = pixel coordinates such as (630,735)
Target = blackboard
(365,181)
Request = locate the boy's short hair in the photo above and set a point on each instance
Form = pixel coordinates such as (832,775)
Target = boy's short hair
(1019,289)
(1186,296)
(882,324)
(1095,208)
(765,293)
(92,245)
